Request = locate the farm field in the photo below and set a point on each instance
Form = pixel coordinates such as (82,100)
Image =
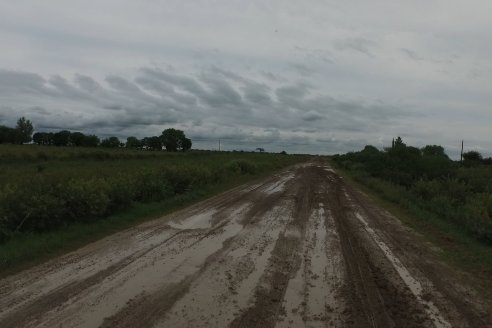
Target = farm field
(45,189)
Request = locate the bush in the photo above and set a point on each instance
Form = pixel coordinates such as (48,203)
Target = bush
(241,167)
(428,180)
(426,189)
(479,216)
(41,190)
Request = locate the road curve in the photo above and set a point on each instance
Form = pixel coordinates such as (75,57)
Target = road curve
(300,249)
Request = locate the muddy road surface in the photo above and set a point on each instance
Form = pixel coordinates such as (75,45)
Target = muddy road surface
(300,249)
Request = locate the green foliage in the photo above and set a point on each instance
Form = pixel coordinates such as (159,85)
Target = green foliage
(77,139)
(152,143)
(7,135)
(429,180)
(61,138)
(241,167)
(43,188)
(175,140)
(23,131)
(434,150)
(111,142)
(133,142)
(91,141)
(186,144)
(472,158)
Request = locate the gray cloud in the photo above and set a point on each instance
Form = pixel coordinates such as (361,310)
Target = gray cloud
(357,44)
(303,70)
(223,104)
(411,54)
(320,78)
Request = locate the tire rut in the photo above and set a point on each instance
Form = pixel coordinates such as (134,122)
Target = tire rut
(300,249)
(285,259)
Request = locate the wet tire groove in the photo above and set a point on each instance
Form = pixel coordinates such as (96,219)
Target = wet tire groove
(376,299)
(284,261)
(62,294)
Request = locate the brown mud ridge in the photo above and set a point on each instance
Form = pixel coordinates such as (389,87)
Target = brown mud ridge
(301,249)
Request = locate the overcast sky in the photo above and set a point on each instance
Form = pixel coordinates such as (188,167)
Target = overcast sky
(302,76)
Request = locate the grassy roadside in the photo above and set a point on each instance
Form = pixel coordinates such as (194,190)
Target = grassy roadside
(457,248)
(28,250)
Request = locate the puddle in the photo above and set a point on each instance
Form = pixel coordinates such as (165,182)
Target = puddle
(228,285)
(278,186)
(163,266)
(197,221)
(311,293)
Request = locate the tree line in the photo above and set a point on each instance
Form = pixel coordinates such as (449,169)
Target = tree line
(170,139)
(426,179)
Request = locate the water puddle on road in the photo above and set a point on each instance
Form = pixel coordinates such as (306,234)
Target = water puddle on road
(197,221)
(227,286)
(311,296)
(413,284)
(279,185)
(162,266)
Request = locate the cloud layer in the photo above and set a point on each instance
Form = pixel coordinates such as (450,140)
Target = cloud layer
(322,78)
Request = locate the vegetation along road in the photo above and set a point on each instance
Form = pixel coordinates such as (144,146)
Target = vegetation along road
(300,249)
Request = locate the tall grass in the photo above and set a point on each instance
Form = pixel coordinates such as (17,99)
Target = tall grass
(66,186)
(459,195)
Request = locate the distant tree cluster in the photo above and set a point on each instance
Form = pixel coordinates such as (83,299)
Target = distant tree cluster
(66,138)
(171,139)
(404,164)
(427,179)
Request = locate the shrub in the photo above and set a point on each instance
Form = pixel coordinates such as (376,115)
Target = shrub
(430,181)
(426,189)
(42,190)
(241,167)
(479,216)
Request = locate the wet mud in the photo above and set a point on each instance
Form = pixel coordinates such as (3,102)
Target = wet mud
(299,249)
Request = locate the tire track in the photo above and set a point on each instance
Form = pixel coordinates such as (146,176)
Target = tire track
(294,251)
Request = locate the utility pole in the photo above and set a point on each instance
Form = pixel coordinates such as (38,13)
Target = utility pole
(219,144)
(461,158)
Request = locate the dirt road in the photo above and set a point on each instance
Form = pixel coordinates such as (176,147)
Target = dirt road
(300,249)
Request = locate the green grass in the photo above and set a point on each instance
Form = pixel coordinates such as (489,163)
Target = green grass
(29,249)
(457,248)
(77,182)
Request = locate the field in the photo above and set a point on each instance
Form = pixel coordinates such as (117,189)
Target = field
(45,190)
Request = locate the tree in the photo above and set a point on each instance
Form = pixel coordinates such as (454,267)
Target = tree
(174,139)
(472,156)
(77,139)
(61,138)
(154,143)
(43,138)
(369,149)
(111,142)
(7,135)
(24,130)
(398,143)
(186,145)
(434,150)
(91,141)
(133,142)
(38,138)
